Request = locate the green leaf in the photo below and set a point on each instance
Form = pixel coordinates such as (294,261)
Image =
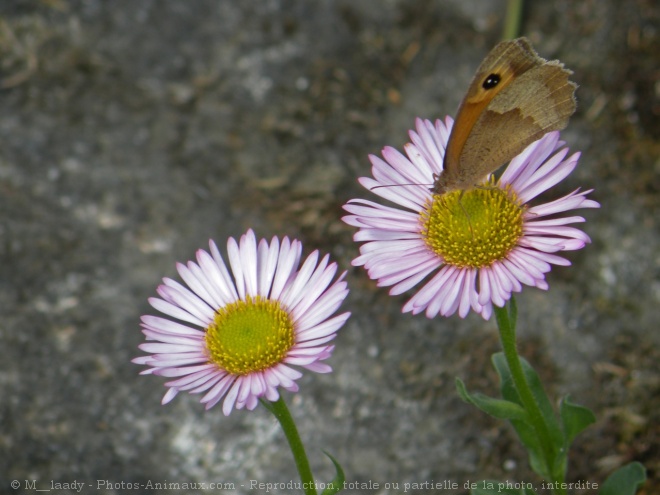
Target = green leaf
(524,429)
(509,392)
(574,418)
(625,480)
(492,487)
(502,409)
(560,464)
(530,440)
(337,484)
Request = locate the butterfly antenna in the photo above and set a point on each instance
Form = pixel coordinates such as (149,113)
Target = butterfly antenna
(397,185)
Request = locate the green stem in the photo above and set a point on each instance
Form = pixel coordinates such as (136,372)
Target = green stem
(281,412)
(506,324)
(512,19)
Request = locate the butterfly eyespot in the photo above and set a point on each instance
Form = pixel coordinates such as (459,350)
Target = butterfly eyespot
(491,81)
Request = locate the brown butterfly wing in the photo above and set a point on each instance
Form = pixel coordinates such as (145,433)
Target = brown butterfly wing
(539,101)
(494,124)
(507,60)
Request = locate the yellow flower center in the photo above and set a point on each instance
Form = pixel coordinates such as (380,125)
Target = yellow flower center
(251,335)
(473,228)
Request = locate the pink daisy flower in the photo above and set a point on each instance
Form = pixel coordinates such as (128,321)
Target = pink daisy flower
(238,337)
(466,249)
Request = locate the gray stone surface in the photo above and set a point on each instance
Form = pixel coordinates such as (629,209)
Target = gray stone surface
(131,132)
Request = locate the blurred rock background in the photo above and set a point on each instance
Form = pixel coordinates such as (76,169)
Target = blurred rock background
(131,132)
